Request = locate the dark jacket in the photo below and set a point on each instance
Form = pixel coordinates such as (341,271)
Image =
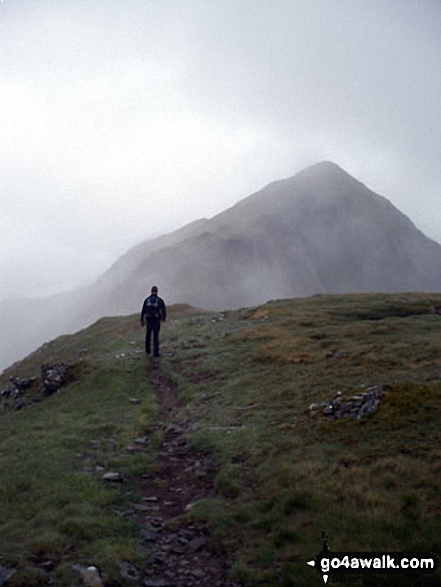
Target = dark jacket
(153,307)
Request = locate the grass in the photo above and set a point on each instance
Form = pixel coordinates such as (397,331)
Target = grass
(54,506)
(286,474)
(246,380)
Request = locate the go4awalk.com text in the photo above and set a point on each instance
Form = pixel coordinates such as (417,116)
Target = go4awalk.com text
(358,563)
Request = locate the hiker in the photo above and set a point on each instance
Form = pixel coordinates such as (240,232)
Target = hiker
(153,310)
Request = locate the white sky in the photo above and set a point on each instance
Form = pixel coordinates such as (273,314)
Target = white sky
(122,119)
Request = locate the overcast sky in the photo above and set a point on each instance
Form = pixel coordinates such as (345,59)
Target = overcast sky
(122,119)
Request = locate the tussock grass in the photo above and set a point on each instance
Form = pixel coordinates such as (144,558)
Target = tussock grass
(54,506)
(246,380)
(284,474)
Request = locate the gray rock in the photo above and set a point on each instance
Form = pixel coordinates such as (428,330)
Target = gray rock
(146,507)
(142,440)
(357,406)
(197,543)
(112,477)
(148,535)
(53,377)
(318,405)
(89,575)
(128,571)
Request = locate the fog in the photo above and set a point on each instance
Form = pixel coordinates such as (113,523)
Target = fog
(123,120)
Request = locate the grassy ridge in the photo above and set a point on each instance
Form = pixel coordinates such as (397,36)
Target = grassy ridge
(246,379)
(54,506)
(286,475)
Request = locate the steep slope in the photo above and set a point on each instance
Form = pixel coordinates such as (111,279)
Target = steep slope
(321,231)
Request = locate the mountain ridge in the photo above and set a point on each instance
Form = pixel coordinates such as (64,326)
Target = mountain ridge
(320,231)
(261,419)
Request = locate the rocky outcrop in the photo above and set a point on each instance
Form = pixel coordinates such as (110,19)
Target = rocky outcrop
(21,392)
(13,394)
(53,377)
(357,406)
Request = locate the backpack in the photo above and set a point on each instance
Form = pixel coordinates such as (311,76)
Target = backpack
(152,309)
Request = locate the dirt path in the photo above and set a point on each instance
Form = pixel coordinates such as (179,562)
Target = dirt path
(180,553)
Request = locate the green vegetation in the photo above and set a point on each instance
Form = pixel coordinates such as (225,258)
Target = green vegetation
(54,505)
(246,380)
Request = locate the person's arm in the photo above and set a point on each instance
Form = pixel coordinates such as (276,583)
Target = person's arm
(164,311)
(142,315)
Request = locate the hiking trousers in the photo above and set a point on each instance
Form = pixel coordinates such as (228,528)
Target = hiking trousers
(153,327)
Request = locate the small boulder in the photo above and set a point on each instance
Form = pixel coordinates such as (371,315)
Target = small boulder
(112,477)
(128,571)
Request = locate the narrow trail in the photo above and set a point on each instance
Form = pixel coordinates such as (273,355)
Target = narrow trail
(180,552)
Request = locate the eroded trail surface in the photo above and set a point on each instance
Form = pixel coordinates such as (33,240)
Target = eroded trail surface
(180,553)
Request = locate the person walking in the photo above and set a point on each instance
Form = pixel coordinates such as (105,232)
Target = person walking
(153,311)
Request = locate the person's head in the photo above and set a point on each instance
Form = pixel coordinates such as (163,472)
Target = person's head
(154,290)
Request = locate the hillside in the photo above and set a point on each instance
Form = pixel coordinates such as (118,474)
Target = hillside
(319,232)
(228,462)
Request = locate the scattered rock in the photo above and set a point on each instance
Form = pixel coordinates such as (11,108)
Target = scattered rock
(89,575)
(356,406)
(22,384)
(157,522)
(140,507)
(148,535)
(142,440)
(178,553)
(13,394)
(318,405)
(53,377)
(219,318)
(197,543)
(128,571)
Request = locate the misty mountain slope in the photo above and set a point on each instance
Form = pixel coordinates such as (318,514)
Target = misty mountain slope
(128,262)
(318,232)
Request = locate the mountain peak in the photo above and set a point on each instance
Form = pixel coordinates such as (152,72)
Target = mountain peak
(324,169)
(319,231)
(325,166)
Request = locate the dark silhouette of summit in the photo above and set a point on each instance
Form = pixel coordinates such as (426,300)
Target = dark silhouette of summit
(318,232)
